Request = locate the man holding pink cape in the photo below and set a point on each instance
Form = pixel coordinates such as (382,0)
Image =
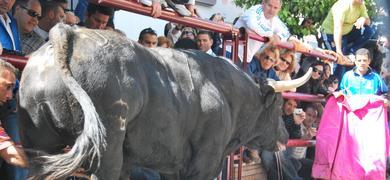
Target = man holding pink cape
(353,137)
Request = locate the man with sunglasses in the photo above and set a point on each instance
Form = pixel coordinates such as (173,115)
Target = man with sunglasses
(53,12)
(27,14)
(9,38)
(261,67)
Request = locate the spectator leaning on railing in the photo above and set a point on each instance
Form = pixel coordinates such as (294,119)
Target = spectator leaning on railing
(346,29)
(263,19)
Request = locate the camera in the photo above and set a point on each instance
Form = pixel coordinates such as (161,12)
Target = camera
(298,111)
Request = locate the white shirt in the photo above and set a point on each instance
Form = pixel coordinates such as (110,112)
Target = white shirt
(42,33)
(254,19)
(210,52)
(7,25)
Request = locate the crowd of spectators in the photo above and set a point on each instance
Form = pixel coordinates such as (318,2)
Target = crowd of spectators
(25,25)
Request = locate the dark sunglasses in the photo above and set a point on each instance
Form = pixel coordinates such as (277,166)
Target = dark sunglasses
(284,60)
(31,13)
(317,70)
(266,57)
(335,82)
(187,32)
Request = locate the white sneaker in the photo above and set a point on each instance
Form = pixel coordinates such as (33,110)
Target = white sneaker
(179,8)
(146,2)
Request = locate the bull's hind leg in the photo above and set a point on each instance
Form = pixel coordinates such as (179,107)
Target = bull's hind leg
(111,162)
(170,176)
(204,166)
(207,153)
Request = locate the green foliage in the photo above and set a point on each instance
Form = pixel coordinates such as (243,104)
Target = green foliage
(294,11)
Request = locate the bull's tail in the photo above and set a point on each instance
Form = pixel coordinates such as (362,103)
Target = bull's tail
(91,142)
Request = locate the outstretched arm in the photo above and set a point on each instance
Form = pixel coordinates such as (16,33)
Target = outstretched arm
(14,155)
(156,8)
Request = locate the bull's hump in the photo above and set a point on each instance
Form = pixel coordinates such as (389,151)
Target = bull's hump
(42,60)
(99,38)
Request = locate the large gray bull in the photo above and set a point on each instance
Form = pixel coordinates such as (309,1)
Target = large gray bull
(119,104)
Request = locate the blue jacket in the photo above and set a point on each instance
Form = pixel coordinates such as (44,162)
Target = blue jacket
(370,83)
(5,39)
(257,72)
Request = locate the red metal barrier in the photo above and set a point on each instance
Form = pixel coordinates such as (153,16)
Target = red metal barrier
(226,29)
(18,61)
(303,97)
(300,143)
(135,7)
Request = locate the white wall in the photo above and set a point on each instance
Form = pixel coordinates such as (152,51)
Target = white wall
(132,24)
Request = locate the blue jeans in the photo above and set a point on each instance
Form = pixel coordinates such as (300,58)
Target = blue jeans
(350,43)
(10,124)
(289,169)
(141,173)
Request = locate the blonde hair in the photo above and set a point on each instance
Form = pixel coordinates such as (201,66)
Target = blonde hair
(291,67)
(164,40)
(4,65)
(272,49)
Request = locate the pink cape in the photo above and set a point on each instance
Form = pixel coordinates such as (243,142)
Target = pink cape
(353,139)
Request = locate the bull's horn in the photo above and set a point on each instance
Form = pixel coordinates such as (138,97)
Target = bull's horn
(280,86)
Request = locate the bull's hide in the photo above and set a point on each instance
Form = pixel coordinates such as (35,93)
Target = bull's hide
(119,104)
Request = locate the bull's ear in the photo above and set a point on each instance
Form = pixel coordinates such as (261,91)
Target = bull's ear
(269,95)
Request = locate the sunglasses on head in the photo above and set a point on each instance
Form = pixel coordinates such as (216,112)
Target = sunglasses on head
(148,31)
(187,32)
(266,57)
(285,60)
(317,70)
(31,13)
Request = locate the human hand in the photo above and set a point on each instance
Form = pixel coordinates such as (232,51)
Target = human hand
(340,58)
(360,23)
(329,52)
(331,89)
(14,155)
(299,118)
(71,19)
(156,9)
(312,132)
(273,40)
(191,8)
(281,147)
(299,46)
